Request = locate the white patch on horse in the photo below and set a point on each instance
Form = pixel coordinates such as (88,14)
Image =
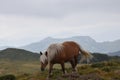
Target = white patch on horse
(43,58)
(54,49)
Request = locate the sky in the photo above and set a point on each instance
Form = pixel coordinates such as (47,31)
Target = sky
(26,21)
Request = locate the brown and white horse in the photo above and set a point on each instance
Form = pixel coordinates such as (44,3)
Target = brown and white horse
(62,52)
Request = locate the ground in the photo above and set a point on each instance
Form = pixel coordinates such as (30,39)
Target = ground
(30,70)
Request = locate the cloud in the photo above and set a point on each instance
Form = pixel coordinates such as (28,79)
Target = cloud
(57,8)
(26,21)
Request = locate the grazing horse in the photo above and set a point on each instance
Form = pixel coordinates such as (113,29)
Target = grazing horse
(62,52)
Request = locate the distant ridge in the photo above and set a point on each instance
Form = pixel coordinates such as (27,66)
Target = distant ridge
(115,53)
(85,41)
(18,54)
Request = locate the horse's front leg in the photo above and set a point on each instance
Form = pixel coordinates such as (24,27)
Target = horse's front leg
(50,69)
(63,67)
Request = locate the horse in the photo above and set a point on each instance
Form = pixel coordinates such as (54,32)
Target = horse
(60,53)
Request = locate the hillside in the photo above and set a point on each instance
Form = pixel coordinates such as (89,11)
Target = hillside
(85,41)
(18,54)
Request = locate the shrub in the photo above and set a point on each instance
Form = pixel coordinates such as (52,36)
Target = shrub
(102,64)
(106,69)
(111,63)
(8,77)
(99,65)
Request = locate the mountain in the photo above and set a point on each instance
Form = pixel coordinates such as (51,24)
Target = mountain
(112,46)
(115,53)
(85,41)
(43,44)
(18,54)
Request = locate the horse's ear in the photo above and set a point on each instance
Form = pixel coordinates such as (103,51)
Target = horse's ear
(40,53)
(46,53)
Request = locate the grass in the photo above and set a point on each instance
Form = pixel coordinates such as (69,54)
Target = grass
(30,70)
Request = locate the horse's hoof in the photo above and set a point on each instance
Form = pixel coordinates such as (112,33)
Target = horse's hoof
(73,71)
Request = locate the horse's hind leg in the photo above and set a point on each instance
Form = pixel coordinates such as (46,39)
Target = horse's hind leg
(76,61)
(73,64)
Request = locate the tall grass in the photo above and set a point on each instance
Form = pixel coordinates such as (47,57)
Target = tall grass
(107,70)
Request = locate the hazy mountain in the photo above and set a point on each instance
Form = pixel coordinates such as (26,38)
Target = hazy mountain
(85,41)
(115,53)
(43,44)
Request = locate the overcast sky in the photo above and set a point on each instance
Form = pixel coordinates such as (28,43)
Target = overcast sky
(26,21)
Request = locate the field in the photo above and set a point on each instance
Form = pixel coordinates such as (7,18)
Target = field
(30,70)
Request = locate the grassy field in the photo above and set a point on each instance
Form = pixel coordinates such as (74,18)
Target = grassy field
(30,70)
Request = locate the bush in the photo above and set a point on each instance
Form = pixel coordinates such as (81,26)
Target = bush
(102,64)
(111,63)
(98,65)
(8,77)
(106,69)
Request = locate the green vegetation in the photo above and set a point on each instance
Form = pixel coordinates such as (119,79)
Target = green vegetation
(8,77)
(107,70)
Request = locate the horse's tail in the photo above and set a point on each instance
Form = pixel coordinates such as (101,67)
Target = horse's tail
(86,55)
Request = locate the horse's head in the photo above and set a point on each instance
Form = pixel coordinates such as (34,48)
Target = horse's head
(43,60)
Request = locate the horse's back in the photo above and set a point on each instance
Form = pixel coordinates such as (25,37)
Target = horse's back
(71,49)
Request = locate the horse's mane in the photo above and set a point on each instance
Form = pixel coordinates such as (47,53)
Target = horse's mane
(43,58)
(54,49)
